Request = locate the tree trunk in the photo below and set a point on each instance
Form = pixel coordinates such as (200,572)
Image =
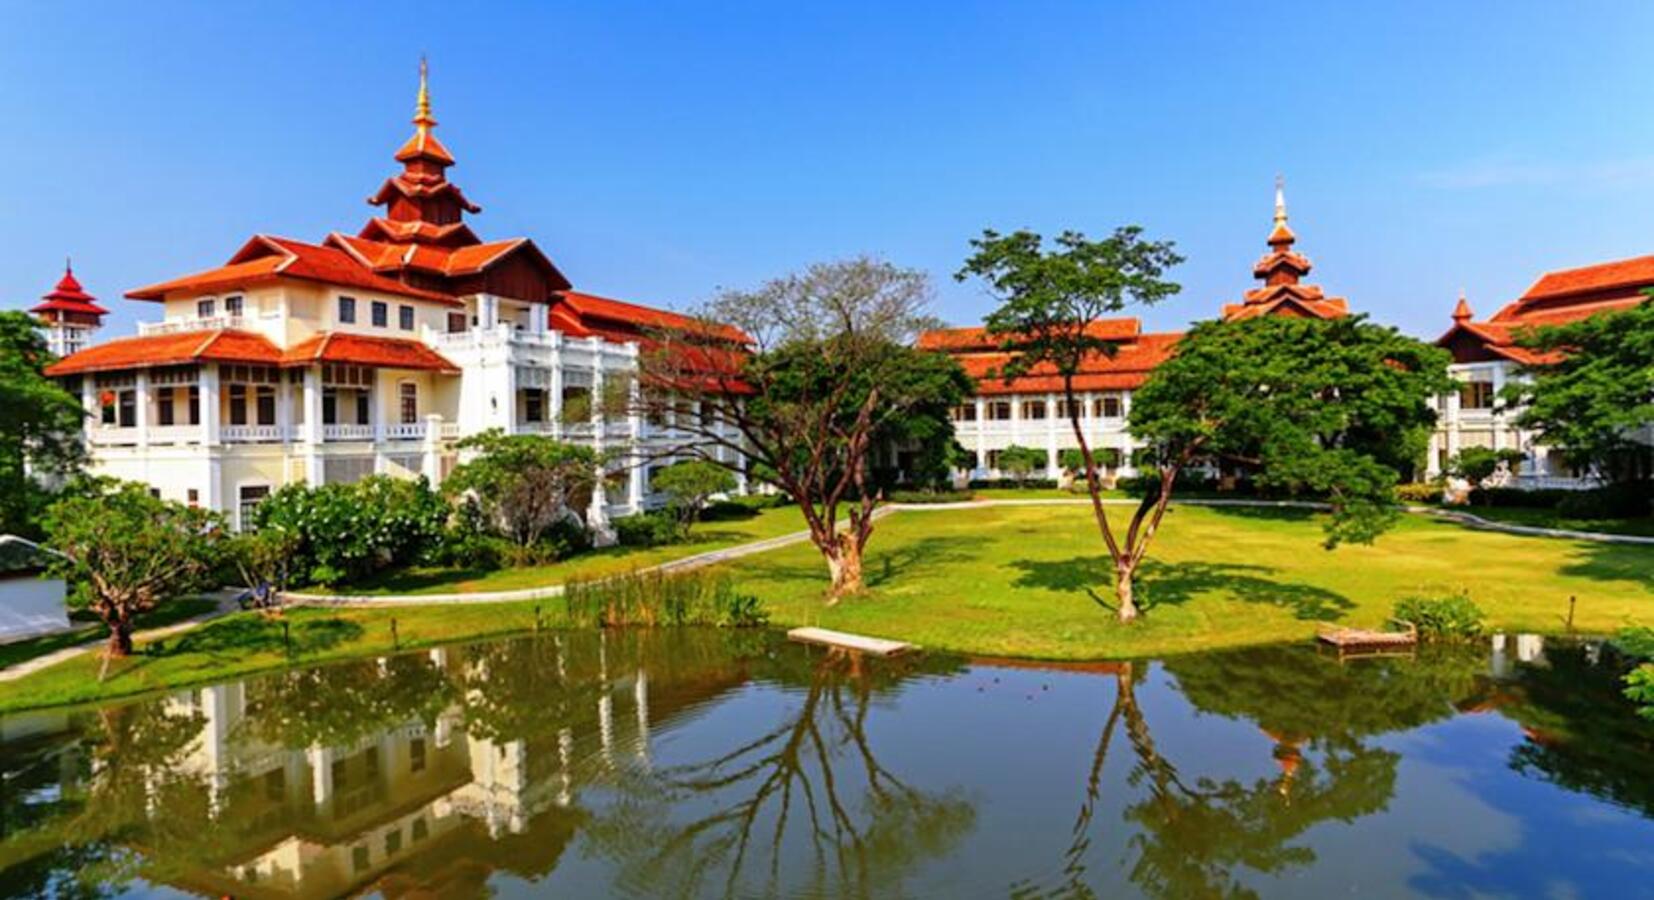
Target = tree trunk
(1123,593)
(120,638)
(845,568)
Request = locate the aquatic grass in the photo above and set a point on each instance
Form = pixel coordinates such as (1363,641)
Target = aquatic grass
(659,599)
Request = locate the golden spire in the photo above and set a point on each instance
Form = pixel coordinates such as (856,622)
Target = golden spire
(422,106)
(1280,200)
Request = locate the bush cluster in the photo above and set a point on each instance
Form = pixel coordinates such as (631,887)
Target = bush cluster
(1419,492)
(349,531)
(647,529)
(1446,618)
(934,496)
(1027,484)
(1509,497)
(1627,500)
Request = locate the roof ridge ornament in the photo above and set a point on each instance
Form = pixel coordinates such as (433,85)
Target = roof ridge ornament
(1280,199)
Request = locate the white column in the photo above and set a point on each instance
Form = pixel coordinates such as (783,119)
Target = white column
(284,409)
(313,425)
(981,467)
(1051,470)
(321,774)
(432,461)
(89,402)
(211,411)
(554,402)
(640,696)
(142,391)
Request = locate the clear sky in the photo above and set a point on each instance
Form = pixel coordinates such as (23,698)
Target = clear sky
(659,151)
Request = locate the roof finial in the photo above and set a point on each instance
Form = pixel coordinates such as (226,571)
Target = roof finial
(1280,200)
(422,106)
(1461,312)
(68,265)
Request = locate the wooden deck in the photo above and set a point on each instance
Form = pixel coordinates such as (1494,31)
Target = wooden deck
(1361,641)
(843,641)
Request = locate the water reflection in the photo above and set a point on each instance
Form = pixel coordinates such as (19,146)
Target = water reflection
(730,764)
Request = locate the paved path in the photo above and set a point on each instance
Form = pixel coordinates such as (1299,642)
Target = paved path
(226,605)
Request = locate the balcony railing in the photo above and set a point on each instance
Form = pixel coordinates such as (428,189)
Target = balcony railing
(347,432)
(254,434)
(194,323)
(115,436)
(405,432)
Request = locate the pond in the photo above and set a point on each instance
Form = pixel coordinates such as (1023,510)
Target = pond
(730,763)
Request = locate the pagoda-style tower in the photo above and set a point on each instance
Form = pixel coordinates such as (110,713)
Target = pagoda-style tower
(421,205)
(69,314)
(1282,271)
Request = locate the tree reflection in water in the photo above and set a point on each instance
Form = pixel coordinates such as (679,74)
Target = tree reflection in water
(804,800)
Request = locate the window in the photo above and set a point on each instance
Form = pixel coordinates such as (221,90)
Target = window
(1064,410)
(275,785)
(393,842)
(965,412)
(232,305)
(155,492)
(204,308)
(534,405)
(416,755)
(359,858)
(456,322)
(1476,395)
(266,400)
(380,312)
(238,404)
(407,394)
(993,459)
(195,405)
(1033,409)
(163,406)
(362,407)
(405,318)
(999,411)
(1108,407)
(193,495)
(347,310)
(420,829)
(330,406)
(248,497)
(128,409)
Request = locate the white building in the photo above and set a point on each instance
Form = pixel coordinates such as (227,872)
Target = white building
(1487,357)
(373,353)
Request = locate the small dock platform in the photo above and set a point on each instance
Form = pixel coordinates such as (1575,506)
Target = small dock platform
(1361,641)
(843,641)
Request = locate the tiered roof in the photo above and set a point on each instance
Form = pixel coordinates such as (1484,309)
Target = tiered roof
(1281,270)
(232,345)
(69,297)
(1556,298)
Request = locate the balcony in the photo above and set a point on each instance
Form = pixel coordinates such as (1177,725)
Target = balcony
(177,435)
(195,323)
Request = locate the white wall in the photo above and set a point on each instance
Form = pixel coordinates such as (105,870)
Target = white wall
(31,606)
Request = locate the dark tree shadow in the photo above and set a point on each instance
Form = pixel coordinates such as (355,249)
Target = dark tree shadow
(1266,513)
(1624,563)
(880,567)
(237,637)
(1173,584)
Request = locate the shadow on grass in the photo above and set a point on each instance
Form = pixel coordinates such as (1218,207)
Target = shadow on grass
(243,636)
(1624,563)
(1265,513)
(879,567)
(1174,584)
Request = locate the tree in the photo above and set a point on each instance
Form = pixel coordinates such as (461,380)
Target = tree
(1020,462)
(800,380)
(349,531)
(40,425)
(1591,390)
(688,485)
(127,552)
(1050,302)
(1336,408)
(524,483)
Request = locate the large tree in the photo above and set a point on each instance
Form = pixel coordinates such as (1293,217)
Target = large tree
(1591,392)
(126,552)
(524,483)
(801,382)
(1050,300)
(1333,409)
(40,425)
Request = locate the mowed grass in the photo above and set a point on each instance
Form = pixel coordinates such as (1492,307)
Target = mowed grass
(1033,582)
(705,536)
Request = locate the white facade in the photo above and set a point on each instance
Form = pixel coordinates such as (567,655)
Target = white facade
(223,435)
(1475,417)
(988,424)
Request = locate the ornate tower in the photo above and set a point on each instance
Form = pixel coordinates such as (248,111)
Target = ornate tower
(69,314)
(421,205)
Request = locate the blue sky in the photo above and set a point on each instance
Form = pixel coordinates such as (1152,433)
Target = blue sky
(660,151)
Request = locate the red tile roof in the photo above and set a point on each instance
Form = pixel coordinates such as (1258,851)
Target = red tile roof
(1631,273)
(264,259)
(962,339)
(1557,298)
(363,350)
(68,296)
(588,314)
(222,345)
(1125,370)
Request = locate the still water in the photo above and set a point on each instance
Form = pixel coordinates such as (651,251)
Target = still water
(690,763)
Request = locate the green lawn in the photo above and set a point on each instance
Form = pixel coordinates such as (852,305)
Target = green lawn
(1013,581)
(715,535)
(1548,518)
(87,627)
(1018,581)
